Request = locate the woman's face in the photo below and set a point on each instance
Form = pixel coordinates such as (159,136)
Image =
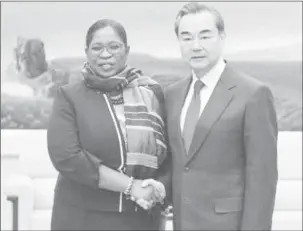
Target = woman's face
(107,53)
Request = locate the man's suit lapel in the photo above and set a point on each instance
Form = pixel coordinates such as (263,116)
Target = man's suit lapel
(218,102)
(179,94)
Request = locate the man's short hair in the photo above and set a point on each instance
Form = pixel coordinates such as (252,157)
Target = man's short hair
(194,8)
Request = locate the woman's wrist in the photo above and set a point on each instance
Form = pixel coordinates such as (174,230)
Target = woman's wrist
(129,187)
(113,180)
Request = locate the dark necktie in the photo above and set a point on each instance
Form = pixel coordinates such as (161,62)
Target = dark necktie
(192,115)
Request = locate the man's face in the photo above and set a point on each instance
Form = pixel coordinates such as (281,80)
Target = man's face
(200,42)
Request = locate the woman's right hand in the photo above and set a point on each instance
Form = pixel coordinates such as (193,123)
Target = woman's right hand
(143,196)
(138,191)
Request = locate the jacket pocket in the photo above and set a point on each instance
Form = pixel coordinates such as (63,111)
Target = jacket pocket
(228,205)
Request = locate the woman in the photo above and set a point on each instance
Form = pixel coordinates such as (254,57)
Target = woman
(105,135)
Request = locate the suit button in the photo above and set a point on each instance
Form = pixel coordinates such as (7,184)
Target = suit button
(186,169)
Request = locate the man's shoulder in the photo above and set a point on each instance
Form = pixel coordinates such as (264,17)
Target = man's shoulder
(246,82)
(175,85)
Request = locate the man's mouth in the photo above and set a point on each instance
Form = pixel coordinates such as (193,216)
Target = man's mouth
(200,57)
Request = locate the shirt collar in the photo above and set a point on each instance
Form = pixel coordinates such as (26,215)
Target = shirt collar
(211,78)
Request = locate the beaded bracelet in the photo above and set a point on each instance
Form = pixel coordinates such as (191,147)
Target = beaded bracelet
(127,191)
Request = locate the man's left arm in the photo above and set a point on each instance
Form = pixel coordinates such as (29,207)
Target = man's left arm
(261,174)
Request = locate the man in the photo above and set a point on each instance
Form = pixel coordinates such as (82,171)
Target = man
(222,132)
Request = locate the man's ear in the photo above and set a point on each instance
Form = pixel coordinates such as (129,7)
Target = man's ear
(222,35)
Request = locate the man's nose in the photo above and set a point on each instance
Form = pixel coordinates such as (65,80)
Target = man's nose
(197,45)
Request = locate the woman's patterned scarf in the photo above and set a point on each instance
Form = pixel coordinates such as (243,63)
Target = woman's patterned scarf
(144,143)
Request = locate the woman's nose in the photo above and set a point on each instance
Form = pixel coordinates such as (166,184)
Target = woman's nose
(105,54)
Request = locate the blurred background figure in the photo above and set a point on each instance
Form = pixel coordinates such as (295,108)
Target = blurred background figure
(29,86)
(33,69)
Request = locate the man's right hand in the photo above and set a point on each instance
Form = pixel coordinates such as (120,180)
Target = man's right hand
(142,195)
(159,192)
(156,193)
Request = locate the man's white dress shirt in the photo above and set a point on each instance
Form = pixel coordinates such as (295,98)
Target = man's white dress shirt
(210,81)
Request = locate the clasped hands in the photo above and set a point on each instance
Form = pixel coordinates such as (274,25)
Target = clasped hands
(146,193)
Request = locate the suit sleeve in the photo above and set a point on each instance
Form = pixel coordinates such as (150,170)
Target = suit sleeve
(64,149)
(261,174)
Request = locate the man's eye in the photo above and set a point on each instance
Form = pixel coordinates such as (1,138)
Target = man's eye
(205,37)
(186,39)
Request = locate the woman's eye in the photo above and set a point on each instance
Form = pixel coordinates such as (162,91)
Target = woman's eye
(96,48)
(114,47)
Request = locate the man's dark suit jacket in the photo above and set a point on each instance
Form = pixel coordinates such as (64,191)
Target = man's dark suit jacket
(228,179)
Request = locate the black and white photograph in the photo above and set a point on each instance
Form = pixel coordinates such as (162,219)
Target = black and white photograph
(148,115)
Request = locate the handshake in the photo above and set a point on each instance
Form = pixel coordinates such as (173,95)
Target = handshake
(146,193)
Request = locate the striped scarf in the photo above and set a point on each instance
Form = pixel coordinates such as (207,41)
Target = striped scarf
(144,143)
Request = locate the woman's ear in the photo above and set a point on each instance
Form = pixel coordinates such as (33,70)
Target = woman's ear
(127,50)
